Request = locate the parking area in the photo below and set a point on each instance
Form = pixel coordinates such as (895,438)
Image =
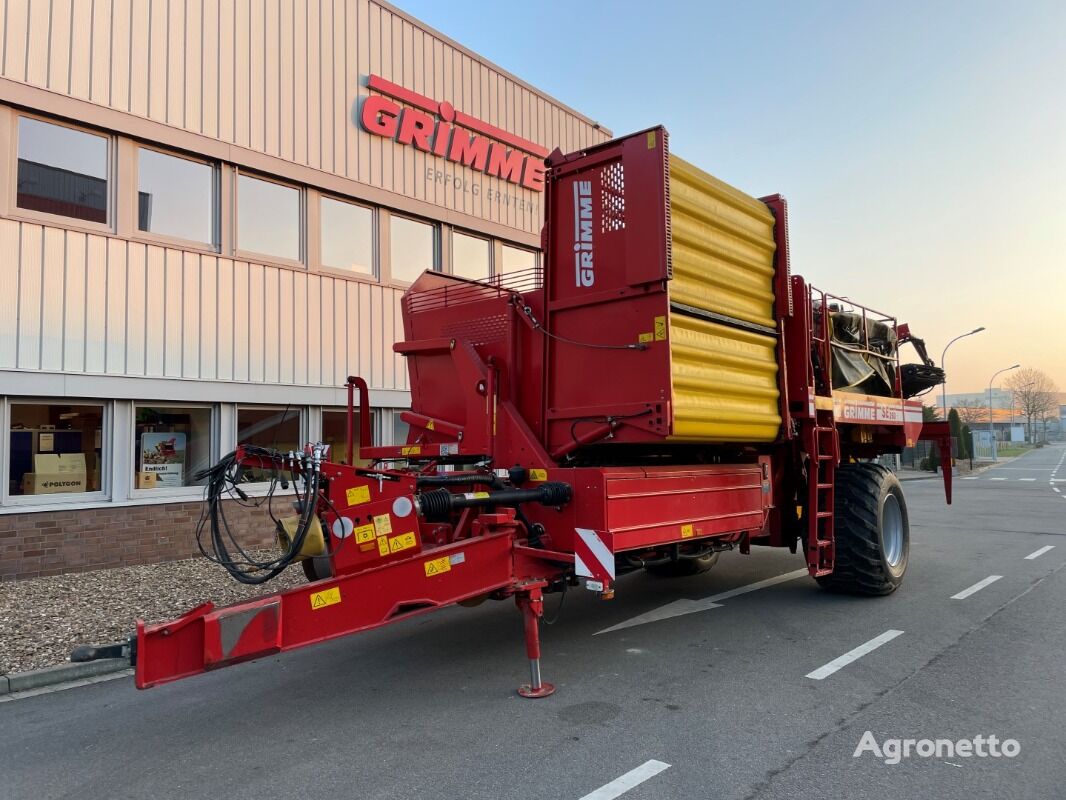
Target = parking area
(746,682)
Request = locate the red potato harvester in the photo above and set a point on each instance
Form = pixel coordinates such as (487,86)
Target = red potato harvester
(661,391)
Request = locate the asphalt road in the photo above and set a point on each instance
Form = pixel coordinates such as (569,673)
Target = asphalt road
(427,709)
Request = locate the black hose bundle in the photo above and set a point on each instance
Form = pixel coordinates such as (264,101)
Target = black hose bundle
(223,481)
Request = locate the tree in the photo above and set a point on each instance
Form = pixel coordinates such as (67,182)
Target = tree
(1035,393)
(972,412)
(930,413)
(962,451)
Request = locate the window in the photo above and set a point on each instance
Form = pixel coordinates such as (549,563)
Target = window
(400,429)
(62,171)
(176,197)
(272,428)
(55,448)
(171,444)
(335,434)
(268,218)
(515,259)
(471,256)
(412,248)
(347,236)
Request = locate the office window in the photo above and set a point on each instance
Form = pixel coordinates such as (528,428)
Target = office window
(268,218)
(471,256)
(62,171)
(347,236)
(335,434)
(55,448)
(412,248)
(171,444)
(272,428)
(515,259)
(176,197)
(400,429)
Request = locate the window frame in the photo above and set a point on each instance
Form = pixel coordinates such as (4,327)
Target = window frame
(37,501)
(16,211)
(471,235)
(434,225)
(150,237)
(214,454)
(504,245)
(374,276)
(255,256)
(303,417)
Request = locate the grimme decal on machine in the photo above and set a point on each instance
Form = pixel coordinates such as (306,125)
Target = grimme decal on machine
(163,455)
(583,267)
(451,134)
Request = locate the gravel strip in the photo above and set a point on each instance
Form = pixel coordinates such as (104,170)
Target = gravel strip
(43,619)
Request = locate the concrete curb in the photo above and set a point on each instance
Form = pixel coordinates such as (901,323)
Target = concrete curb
(61,673)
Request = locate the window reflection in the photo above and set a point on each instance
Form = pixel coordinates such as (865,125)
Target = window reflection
(470,256)
(412,248)
(61,171)
(347,236)
(175,197)
(268,218)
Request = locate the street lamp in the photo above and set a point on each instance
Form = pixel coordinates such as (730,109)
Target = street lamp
(943,366)
(991,430)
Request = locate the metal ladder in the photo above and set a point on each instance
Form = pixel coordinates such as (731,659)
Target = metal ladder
(823,449)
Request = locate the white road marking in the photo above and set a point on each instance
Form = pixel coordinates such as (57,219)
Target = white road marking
(1027,479)
(853,655)
(623,783)
(997,479)
(976,587)
(686,606)
(1040,552)
(974,478)
(1057,489)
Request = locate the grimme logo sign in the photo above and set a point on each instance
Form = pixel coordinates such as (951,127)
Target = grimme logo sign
(437,128)
(584,273)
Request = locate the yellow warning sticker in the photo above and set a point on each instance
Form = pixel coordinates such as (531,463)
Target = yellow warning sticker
(660,329)
(538,474)
(358,495)
(651,140)
(437,566)
(383,524)
(366,548)
(644,338)
(686,531)
(411,451)
(364,533)
(430,426)
(405,541)
(327,597)
(476,495)
(383,545)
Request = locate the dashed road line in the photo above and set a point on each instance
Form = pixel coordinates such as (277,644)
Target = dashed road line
(1027,479)
(840,662)
(976,587)
(623,783)
(1040,552)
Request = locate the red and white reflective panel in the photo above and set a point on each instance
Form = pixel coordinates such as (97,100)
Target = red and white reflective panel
(592,558)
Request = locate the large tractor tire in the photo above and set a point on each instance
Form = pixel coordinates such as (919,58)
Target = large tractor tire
(684,567)
(871,530)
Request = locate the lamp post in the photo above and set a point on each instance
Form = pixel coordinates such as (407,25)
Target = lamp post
(991,429)
(943,366)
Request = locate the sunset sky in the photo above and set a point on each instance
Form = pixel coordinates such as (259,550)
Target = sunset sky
(921,146)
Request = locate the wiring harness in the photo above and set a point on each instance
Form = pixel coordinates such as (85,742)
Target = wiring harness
(223,482)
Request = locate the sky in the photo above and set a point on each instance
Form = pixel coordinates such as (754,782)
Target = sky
(921,146)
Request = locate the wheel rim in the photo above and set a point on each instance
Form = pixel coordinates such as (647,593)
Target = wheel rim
(892,531)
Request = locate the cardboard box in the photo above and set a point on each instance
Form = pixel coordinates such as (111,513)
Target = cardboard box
(54,474)
(147,480)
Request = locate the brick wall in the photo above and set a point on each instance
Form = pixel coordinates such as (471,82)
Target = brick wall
(41,543)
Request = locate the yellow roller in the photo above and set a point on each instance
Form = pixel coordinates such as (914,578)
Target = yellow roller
(724,378)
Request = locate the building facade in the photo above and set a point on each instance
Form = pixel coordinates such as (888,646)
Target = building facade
(209,211)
